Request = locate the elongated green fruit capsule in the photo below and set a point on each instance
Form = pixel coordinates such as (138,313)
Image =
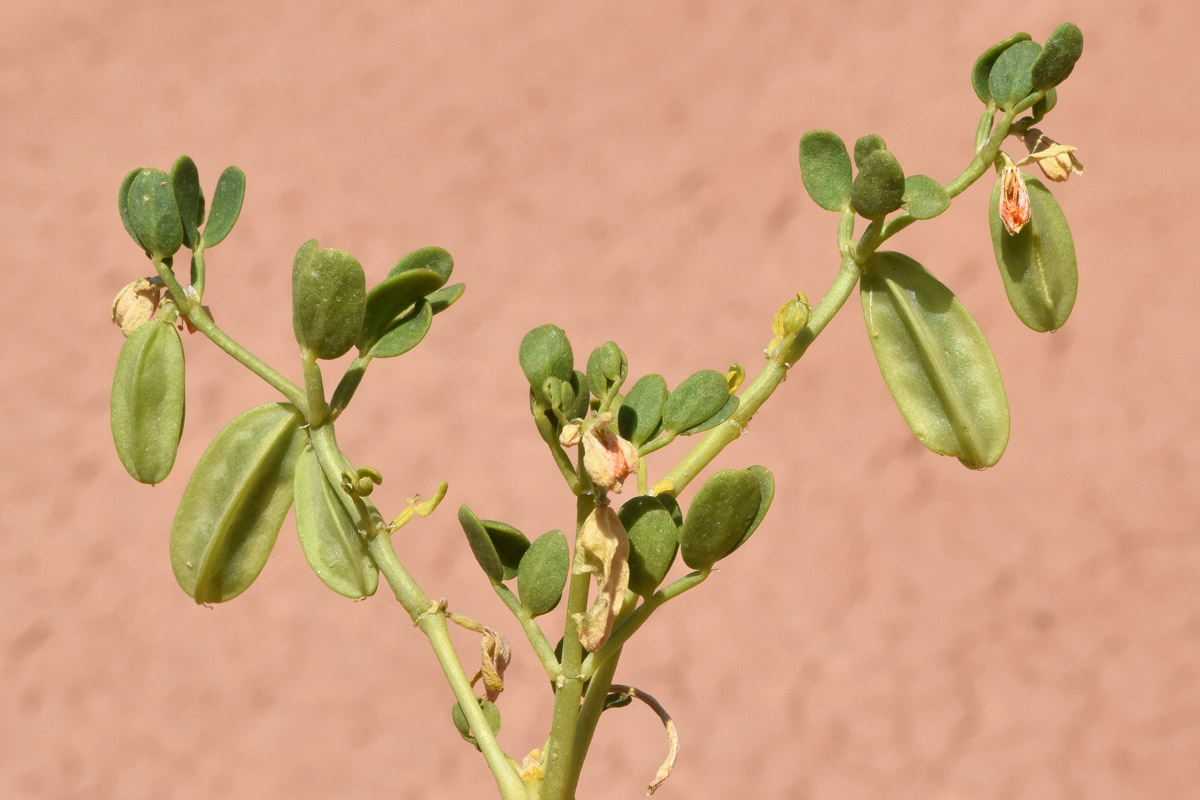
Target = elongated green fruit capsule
(146,405)
(335,549)
(235,502)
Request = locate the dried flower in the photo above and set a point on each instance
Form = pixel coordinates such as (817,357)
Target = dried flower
(135,305)
(1014,198)
(608,458)
(1057,161)
(602,548)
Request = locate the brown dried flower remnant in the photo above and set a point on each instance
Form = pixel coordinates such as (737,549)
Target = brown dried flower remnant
(135,305)
(602,549)
(1057,161)
(1014,198)
(608,458)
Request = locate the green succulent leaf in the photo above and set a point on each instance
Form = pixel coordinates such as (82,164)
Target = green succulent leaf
(700,397)
(731,404)
(545,352)
(497,547)
(405,332)
(1038,263)
(878,189)
(723,515)
(445,297)
(865,145)
(1058,56)
(924,198)
(983,65)
(606,370)
(185,183)
(542,573)
(235,503)
(123,205)
(640,415)
(226,206)
(153,215)
(653,542)
(431,258)
(391,298)
(329,297)
(332,544)
(825,169)
(490,713)
(935,361)
(147,401)
(1011,79)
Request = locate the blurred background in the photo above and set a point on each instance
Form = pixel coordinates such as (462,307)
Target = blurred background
(900,627)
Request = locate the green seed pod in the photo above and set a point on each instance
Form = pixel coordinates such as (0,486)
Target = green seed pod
(235,503)
(1058,57)
(640,415)
(924,198)
(653,542)
(723,514)
(335,549)
(700,398)
(825,169)
(152,214)
(405,332)
(935,361)
(865,145)
(607,369)
(1011,79)
(388,300)
(490,713)
(185,183)
(226,206)
(146,406)
(329,298)
(878,189)
(1038,263)
(431,258)
(497,546)
(542,573)
(546,353)
(982,70)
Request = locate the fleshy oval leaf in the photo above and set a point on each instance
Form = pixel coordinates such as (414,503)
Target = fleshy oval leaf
(1062,49)
(878,189)
(722,515)
(226,206)
(653,542)
(542,573)
(865,145)
(510,545)
(147,401)
(825,169)
(185,183)
(392,297)
(924,198)
(329,297)
(446,296)
(1041,277)
(640,415)
(607,368)
(331,542)
(405,332)
(235,503)
(983,65)
(497,546)
(698,398)
(431,258)
(545,352)
(935,361)
(1011,79)
(153,213)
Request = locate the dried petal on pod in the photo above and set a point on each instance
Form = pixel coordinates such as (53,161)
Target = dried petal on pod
(608,458)
(602,548)
(495,658)
(1014,199)
(1057,161)
(135,305)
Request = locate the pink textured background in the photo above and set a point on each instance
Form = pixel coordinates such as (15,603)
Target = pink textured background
(900,627)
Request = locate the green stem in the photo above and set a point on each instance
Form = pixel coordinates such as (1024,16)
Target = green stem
(589,718)
(559,757)
(202,322)
(314,387)
(426,615)
(766,382)
(533,632)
